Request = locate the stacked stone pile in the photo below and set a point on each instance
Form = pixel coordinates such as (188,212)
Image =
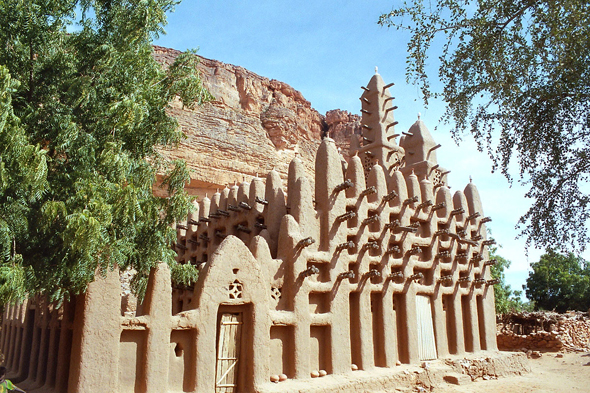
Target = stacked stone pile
(544,332)
(542,340)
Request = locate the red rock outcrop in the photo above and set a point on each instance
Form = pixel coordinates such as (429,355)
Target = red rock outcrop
(254,124)
(341,126)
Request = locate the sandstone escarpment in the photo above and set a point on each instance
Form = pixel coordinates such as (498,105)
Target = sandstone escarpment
(342,125)
(254,125)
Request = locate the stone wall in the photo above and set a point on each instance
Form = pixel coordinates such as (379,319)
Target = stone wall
(545,332)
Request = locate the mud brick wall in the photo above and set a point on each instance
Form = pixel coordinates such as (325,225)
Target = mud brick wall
(370,263)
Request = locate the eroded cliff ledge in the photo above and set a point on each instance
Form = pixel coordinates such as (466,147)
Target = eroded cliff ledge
(254,125)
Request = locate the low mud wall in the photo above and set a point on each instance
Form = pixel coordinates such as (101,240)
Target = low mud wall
(456,370)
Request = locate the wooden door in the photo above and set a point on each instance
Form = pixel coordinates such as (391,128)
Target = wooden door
(228,353)
(426,341)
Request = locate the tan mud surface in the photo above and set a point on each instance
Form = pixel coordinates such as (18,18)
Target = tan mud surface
(549,374)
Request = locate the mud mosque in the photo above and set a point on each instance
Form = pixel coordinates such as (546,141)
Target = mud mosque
(378,264)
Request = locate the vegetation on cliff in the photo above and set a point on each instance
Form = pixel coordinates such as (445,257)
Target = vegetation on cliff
(82,110)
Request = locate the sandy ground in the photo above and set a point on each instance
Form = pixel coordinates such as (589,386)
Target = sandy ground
(549,374)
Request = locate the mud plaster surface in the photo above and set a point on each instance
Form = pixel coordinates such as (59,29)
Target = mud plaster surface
(548,374)
(428,377)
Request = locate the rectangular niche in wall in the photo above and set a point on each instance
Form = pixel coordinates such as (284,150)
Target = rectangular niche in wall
(378,329)
(427,276)
(28,330)
(376,279)
(181,377)
(449,312)
(131,361)
(282,350)
(353,222)
(424,229)
(374,226)
(43,356)
(399,299)
(355,329)
(177,300)
(320,348)
(319,302)
(466,313)
(324,270)
(353,250)
(481,323)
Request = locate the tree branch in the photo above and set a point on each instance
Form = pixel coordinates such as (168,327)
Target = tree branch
(516,15)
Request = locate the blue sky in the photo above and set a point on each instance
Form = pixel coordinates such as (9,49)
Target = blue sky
(327,50)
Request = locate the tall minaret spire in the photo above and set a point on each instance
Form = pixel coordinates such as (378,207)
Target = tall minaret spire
(378,143)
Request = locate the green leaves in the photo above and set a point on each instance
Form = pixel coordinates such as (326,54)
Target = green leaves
(559,282)
(82,115)
(506,299)
(516,75)
(23,170)
(185,84)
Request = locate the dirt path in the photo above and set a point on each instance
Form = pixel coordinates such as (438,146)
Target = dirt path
(549,374)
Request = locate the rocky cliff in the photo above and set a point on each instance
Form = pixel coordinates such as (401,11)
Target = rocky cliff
(254,124)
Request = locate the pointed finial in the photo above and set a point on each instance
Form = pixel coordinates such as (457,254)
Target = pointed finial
(206,195)
(257,175)
(218,190)
(419,115)
(376,70)
(235,183)
(470,179)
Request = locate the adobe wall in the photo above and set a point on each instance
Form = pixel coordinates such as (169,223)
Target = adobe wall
(375,265)
(36,342)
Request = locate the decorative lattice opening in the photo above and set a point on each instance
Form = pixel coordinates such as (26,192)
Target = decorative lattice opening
(235,290)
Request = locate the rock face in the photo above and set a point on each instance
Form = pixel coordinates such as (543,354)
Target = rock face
(341,127)
(254,125)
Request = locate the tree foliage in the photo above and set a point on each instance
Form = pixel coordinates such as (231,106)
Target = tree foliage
(559,282)
(506,299)
(23,171)
(83,112)
(516,75)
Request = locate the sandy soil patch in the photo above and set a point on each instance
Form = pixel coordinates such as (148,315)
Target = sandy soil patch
(548,374)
